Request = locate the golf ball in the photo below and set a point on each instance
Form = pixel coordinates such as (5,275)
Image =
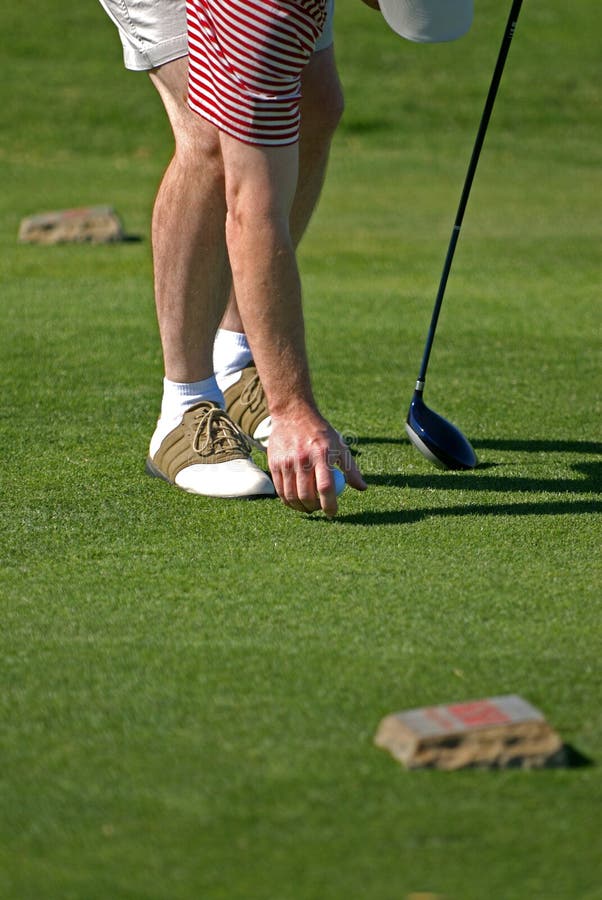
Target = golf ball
(339,481)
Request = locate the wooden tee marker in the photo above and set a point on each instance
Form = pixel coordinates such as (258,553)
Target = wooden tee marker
(495,733)
(85,225)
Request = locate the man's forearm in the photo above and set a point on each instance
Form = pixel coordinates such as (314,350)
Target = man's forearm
(268,289)
(260,188)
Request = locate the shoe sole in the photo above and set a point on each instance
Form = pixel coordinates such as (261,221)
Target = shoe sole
(154,472)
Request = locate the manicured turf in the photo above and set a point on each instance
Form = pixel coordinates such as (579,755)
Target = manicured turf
(190,689)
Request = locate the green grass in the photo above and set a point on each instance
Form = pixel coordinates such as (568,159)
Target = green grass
(190,689)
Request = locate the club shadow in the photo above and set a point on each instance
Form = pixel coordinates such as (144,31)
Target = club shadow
(589,481)
(540,446)
(369,519)
(511,444)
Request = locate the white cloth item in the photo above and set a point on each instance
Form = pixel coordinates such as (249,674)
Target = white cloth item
(178,397)
(231,353)
(428,21)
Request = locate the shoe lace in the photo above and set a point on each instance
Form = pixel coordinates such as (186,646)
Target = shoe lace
(252,394)
(216,433)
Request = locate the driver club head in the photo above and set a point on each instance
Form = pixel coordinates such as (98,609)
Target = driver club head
(437,439)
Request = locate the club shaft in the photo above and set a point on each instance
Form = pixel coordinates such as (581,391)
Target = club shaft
(472,167)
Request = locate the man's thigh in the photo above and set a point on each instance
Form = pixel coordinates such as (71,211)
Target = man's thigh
(193,134)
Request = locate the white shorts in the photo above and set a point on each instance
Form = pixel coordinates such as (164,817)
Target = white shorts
(153,32)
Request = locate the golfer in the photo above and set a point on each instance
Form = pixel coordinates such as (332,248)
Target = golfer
(253,97)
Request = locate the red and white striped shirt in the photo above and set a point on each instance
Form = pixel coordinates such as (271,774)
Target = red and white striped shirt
(245,63)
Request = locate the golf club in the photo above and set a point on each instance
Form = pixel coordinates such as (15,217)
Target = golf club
(436,438)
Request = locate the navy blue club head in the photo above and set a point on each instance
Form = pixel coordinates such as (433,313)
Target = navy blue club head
(437,439)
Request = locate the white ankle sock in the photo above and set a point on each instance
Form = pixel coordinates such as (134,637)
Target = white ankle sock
(178,397)
(231,353)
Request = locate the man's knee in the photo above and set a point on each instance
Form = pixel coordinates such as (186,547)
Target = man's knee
(197,143)
(198,149)
(198,155)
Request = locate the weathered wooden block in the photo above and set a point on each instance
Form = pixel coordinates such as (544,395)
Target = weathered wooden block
(497,732)
(422,895)
(92,224)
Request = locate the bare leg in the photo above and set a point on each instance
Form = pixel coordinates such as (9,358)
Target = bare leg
(192,276)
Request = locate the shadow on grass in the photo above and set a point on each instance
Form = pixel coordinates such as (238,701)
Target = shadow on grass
(518,446)
(574,759)
(588,480)
(541,446)
(411,516)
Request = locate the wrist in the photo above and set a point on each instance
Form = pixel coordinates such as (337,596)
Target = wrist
(290,408)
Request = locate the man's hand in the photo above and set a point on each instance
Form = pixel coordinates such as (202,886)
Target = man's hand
(302,451)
